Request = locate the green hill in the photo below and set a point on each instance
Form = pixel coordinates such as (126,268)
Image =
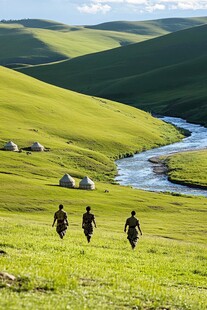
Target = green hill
(164,75)
(31,42)
(154,27)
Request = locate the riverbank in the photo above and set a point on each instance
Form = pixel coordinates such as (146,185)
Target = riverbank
(188,168)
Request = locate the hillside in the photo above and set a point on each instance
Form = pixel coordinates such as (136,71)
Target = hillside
(31,42)
(84,134)
(164,75)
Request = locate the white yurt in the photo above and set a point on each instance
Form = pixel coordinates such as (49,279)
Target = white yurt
(67,181)
(11,146)
(37,147)
(86,183)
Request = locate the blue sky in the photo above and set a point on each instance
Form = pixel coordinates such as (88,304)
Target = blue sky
(82,12)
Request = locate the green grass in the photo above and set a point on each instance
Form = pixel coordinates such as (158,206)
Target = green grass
(188,168)
(166,75)
(85,135)
(167,267)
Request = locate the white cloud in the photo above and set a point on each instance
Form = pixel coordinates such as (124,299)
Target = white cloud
(155,7)
(94,8)
(104,6)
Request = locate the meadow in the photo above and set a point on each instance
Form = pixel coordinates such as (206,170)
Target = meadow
(167,270)
(83,136)
(188,168)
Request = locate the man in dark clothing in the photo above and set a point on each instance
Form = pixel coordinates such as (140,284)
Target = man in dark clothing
(62,221)
(132,234)
(88,219)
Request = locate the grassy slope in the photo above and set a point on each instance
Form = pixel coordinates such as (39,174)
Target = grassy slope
(105,274)
(188,168)
(157,75)
(81,131)
(39,41)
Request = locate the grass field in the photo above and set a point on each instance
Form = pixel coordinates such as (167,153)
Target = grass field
(84,136)
(167,267)
(156,75)
(188,168)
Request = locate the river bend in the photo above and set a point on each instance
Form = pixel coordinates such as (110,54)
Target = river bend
(137,171)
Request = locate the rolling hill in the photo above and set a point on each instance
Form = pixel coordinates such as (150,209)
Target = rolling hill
(31,42)
(34,41)
(164,75)
(154,27)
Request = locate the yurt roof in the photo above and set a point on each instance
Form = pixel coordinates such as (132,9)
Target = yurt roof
(67,178)
(37,144)
(86,180)
(10,143)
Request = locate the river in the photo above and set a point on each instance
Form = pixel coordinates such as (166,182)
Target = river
(138,172)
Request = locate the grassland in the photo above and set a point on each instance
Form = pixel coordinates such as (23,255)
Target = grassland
(167,267)
(157,75)
(85,135)
(189,168)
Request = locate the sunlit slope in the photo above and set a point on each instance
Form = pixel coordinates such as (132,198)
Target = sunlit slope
(153,27)
(165,75)
(83,133)
(38,41)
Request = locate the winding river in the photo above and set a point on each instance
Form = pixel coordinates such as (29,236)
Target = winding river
(137,171)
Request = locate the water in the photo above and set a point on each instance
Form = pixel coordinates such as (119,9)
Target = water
(137,171)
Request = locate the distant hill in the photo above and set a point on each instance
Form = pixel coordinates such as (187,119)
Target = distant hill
(31,42)
(154,27)
(35,41)
(164,75)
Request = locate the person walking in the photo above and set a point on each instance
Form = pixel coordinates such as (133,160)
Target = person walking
(62,221)
(132,234)
(87,223)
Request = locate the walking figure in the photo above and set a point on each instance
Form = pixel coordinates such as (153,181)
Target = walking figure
(132,234)
(88,219)
(62,221)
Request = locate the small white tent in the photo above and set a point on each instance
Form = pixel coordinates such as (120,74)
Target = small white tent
(86,183)
(37,147)
(11,146)
(67,181)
